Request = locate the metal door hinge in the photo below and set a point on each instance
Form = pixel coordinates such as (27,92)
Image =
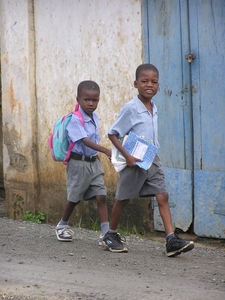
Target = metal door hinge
(189,57)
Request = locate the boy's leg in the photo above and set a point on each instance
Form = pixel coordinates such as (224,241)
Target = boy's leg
(164,210)
(117,211)
(112,240)
(103,216)
(129,184)
(62,230)
(69,207)
(174,244)
(102,208)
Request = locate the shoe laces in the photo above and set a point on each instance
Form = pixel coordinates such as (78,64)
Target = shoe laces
(120,237)
(172,237)
(67,231)
(176,237)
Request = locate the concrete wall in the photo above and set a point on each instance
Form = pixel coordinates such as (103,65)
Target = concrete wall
(47,48)
(19,109)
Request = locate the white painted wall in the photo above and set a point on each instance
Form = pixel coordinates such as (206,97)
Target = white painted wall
(54,45)
(18,105)
(78,40)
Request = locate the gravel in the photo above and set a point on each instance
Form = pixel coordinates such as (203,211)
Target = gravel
(35,265)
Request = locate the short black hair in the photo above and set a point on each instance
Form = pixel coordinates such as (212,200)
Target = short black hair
(87,85)
(145,67)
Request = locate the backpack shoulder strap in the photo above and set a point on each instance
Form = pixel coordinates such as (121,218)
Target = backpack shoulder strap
(78,113)
(71,144)
(76,106)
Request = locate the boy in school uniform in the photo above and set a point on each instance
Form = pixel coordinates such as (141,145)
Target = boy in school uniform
(140,116)
(85,175)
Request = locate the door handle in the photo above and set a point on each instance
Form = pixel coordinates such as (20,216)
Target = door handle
(189,57)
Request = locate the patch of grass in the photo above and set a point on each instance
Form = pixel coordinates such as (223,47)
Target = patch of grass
(127,230)
(211,242)
(29,217)
(95,225)
(124,229)
(78,225)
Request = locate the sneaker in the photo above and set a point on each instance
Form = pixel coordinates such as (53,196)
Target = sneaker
(100,239)
(114,242)
(175,246)
(64,233)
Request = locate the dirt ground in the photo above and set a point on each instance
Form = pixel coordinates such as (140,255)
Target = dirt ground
(35,265)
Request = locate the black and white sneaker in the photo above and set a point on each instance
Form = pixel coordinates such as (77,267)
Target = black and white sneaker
(64,233)
(114,242)
(101,237)
(175,246)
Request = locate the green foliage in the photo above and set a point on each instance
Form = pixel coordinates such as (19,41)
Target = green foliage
(95,225)
(39,218)
(78,225)
(127,230)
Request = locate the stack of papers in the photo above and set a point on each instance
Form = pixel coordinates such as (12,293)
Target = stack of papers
(136,146)
(117,158)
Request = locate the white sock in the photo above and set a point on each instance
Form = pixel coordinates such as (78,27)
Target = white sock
(61,222)
(104,227)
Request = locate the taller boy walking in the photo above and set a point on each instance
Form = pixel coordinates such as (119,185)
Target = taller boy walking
(140,116)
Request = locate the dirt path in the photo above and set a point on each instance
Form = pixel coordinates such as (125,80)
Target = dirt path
(35,265)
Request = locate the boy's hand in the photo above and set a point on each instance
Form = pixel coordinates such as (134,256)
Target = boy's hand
(131,160)
(108,153)
(97,147)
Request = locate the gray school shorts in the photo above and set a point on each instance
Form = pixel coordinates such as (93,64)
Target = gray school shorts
(135,181)
(85,180)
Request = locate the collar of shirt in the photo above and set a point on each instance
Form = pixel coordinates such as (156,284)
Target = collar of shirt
(87,118)
(141,107)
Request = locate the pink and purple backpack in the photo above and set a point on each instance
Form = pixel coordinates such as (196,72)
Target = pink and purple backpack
(58,141)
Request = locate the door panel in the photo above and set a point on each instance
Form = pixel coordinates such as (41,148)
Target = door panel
(209,219)
(172,99)
(191,108)
(180,199)
(207,27)
(166,34)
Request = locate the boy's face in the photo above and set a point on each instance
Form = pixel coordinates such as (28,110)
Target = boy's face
(88,101)
(147,84)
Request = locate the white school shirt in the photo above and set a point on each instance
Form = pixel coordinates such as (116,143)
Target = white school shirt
(135,117)
(76,132)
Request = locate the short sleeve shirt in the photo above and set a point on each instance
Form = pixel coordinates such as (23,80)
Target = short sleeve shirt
(135,117)
(76,132)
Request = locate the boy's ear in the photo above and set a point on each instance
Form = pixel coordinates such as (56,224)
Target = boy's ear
(78,100)
(135,83)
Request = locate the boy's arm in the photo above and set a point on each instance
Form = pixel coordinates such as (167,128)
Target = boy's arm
(130,160)
(92,145)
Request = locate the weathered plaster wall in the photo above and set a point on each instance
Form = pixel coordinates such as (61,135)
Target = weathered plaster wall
(77,40)
(47,48)
(18,106)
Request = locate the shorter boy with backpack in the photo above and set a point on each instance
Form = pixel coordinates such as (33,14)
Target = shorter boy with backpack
(85,175)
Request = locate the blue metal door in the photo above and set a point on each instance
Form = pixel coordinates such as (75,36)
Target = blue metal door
(186,41)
